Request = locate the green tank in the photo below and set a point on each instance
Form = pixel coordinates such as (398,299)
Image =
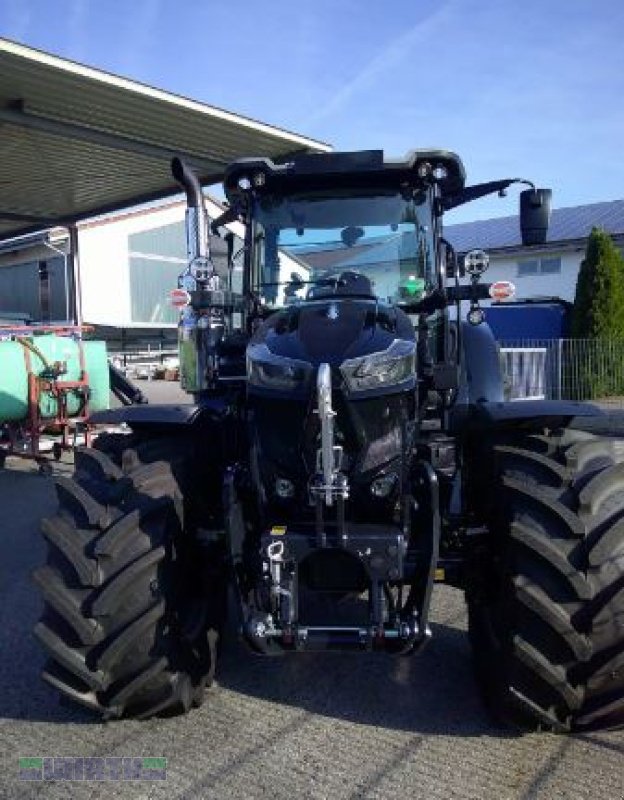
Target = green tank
(14,374)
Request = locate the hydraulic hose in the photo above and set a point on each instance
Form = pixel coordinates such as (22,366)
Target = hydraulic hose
(34,349)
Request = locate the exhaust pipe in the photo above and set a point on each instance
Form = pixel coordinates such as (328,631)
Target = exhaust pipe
(196,215)
(201,324)
(187,179)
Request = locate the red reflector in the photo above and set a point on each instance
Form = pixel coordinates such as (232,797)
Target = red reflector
(179,298)
(502,290)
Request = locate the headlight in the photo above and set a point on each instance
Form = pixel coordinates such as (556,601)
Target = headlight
(266,370)
(379,370)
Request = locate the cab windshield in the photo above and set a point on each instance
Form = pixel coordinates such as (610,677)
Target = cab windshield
(312,246)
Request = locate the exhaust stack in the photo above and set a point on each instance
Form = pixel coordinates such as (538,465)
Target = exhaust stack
(201,325)
(197,242)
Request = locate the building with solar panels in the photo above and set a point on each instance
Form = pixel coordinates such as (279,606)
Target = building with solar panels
(550,270)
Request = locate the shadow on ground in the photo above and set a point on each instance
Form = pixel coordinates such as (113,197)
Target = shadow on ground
(433,692)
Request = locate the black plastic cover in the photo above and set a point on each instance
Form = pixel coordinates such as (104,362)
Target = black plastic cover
(164,414)
(481,379)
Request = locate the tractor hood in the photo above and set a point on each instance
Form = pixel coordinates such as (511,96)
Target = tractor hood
(370,349)
(333,331)
(287,349)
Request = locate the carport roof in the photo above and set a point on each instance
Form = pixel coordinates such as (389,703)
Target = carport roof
(76,141)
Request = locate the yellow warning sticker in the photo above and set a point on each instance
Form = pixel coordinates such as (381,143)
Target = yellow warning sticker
(278,530)
(440,574)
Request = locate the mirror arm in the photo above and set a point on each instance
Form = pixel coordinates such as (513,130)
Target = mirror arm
(470,292)
(231,214)
(471,193)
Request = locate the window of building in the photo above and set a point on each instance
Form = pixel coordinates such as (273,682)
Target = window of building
(539,266)
(550,266)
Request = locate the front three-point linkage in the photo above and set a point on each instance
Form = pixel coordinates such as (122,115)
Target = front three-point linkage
(330,486)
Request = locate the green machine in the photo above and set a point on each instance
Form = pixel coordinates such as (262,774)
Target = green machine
(51,357)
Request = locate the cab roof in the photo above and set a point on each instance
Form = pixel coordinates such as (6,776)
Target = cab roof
(364,168)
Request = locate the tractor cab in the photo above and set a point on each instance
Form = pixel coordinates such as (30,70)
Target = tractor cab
(343,224)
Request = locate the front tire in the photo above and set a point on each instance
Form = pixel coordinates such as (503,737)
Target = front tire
(124,625)
(546,608)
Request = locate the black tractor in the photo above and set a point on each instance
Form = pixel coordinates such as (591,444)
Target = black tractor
(347,447)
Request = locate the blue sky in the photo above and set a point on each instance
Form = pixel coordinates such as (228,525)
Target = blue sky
(531,88)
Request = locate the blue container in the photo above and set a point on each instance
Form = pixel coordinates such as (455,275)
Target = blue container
(528,320)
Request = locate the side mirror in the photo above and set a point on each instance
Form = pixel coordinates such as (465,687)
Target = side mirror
(534,215)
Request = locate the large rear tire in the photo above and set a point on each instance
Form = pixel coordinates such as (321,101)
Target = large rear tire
(131,613)
(546,604)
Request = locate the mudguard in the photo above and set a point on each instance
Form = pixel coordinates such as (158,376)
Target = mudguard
(520,414)
(214,409)
(480,400)
(481,377)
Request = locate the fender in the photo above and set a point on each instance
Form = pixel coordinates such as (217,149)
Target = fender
(480,401)
(526,415)
(211,410)
(481,377)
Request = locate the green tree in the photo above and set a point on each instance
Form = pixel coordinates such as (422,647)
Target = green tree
(595,368)
(598,311)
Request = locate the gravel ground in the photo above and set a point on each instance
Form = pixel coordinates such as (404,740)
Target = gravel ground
(309,726)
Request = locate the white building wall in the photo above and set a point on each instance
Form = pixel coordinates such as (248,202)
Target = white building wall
(563,284)
(104,260)
(104,283)
(104,274)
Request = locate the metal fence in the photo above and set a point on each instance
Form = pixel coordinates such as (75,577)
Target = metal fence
(564,369)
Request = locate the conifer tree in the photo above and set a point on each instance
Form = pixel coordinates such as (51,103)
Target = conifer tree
(598,311)
(596,369)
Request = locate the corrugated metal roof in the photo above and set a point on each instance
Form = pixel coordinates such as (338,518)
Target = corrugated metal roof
(77,141)
(567,224)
